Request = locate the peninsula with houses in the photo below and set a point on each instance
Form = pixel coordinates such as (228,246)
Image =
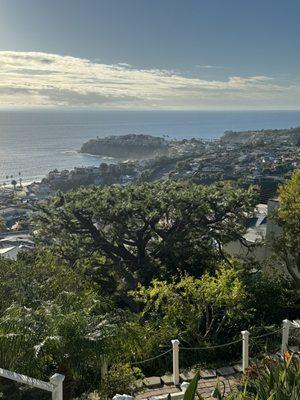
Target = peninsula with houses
(265,158)
(127,146)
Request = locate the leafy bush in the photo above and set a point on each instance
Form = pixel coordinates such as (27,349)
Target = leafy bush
(121,378)
(271,380)
(198,309)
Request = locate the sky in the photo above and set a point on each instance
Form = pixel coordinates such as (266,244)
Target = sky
(150,54)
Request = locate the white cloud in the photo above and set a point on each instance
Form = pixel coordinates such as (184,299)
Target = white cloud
(35,79)
(210,66)
(123,64)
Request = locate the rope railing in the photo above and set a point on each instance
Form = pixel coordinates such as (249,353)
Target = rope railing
(151,358)
(217,346)
(246,339)
(265,344)
(265,334)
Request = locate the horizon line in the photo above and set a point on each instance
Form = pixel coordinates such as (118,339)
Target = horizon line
(98,109)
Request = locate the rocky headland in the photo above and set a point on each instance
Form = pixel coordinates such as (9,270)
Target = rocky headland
(127,147)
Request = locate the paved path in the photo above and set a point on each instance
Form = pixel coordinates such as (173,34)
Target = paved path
(205,387)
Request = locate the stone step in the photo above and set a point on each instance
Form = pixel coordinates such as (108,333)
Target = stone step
(225,371)
(207,373)
(167,379)
(187,375)
(152,381)
(238,368)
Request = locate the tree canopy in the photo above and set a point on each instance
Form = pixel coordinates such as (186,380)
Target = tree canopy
(144,231)
(288,216)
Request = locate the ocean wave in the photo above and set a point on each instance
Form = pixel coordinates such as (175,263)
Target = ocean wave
(87,154)
(98,156)
(69,152)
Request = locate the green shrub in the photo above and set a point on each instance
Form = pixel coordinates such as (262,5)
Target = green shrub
(272,380)
(121,378)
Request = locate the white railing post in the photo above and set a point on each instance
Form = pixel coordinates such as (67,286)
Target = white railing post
(104,368)
(285,335)
(57,381)
(184,386)
(175,345)
(245,336)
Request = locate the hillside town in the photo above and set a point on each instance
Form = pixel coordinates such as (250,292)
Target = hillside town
(266,162)
(262,158)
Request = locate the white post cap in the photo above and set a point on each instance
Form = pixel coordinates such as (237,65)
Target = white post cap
(56,379)
(122,397)
(184,386)
(245,333)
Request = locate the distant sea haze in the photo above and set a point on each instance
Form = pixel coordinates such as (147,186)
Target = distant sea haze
(35,142)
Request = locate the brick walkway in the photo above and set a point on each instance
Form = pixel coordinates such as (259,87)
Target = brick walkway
(205,387)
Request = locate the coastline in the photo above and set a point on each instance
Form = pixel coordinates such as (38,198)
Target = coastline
(36,142)
(97,156)
(24,184)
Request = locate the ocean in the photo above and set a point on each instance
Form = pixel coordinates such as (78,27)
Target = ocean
(34,142)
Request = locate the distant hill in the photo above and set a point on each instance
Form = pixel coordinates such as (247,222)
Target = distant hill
(291,136)
(128,146)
